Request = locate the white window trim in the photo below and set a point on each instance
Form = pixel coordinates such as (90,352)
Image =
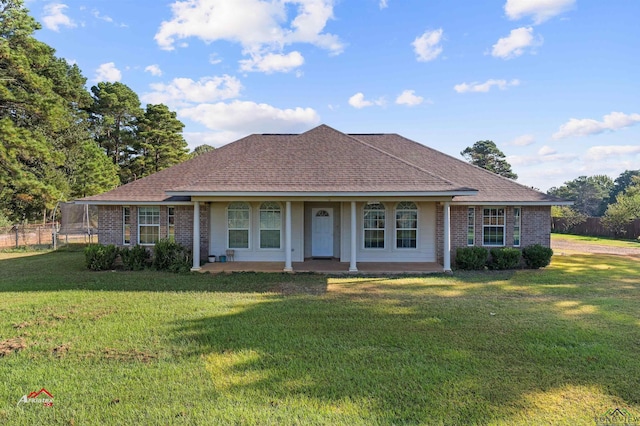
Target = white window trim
(124,225)
(396,229)
(384,230)
(238,229)
(472,225)
(169,225)
(504,226)
(517,225)
(140,208)
(260,209)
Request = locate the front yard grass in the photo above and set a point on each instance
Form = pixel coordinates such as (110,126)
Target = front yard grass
(552,346)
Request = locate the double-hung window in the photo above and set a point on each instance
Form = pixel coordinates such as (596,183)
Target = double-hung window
(148,224)
(493,224)
(238,225)
(517,223)
(126,225)
(374,225)
(406,225)
(171,223)
(471,226)
(270,224)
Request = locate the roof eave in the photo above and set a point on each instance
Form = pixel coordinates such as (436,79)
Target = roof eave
(313,194)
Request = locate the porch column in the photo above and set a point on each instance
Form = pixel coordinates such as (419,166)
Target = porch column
(196,236)
(447,237)
(287,238)
(354,243)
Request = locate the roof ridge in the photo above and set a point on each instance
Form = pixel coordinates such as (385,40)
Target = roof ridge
(415,166)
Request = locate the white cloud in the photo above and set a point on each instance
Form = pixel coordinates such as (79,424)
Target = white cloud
(184,91)
(515,43)
(546,151)
(154,70)
(408,97)
(108,72)
(215,139)
(427,46)
(105,18)
(358,101)
(540,10)
(260,27)
(588,126)
(484,87)
(213,59)
(532,160)
(598,153)
(383,4)
(272,62)
(250,117)
(523,140)
(55,18)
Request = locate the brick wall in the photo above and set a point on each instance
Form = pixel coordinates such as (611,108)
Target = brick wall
(110,229)
(535,227)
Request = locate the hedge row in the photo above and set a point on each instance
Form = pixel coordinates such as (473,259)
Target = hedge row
(167,256)
(477,258)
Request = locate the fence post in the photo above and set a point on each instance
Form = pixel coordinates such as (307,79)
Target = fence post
(17,237)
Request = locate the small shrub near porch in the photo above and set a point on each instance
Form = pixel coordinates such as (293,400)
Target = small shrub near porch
(471,258)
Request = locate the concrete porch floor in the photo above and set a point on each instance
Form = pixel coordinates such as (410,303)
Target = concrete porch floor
(325,266)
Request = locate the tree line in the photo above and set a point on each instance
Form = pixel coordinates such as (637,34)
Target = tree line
(617,201)
(61,141)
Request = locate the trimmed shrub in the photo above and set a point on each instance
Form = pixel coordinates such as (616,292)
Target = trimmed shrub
(537,256)
(504,258)
(171,256)
(100,258)
(135,258)
(471,258)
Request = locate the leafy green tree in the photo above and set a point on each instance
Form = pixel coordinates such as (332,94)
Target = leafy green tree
(571,217)
(200,149)
(621,184)
(93,172)
(159,142)
(625,209)
(115,114)
(40,100)
(590,194)
(485,154)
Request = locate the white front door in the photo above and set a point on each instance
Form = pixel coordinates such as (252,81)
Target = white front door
(322,233)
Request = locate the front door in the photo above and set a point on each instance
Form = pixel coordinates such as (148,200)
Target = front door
(322,232)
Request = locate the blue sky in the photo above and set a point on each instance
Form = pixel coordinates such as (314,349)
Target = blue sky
(554,83)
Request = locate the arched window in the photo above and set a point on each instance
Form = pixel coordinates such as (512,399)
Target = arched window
(406,225)
(238,225)
(374,225)
(270,225)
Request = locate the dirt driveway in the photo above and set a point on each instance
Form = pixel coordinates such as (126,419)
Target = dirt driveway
(559,246)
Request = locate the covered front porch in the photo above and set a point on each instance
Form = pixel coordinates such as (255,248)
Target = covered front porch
(325,266)
(360,235)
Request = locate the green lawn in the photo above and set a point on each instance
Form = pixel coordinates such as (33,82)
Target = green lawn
(554,346)
(596,240)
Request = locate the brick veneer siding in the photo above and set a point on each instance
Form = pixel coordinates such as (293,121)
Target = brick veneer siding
(110,229)
(535,227)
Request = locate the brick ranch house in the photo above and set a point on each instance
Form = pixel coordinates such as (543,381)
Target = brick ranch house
(325,194)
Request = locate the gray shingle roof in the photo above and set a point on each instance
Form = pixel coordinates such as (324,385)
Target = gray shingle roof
(319,161)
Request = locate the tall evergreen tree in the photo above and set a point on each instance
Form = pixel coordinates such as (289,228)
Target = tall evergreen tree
(486,154)
(590,194)
(159,142)
(115,114)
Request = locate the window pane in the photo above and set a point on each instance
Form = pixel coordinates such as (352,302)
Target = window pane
(269,239)
(494,236)
(270,220)
(406,239)
(149,234)
(238,238)
(373,239)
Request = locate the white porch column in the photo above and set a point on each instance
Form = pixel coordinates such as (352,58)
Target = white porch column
(287,238)
(196,236)
(354,243)
(447,237)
